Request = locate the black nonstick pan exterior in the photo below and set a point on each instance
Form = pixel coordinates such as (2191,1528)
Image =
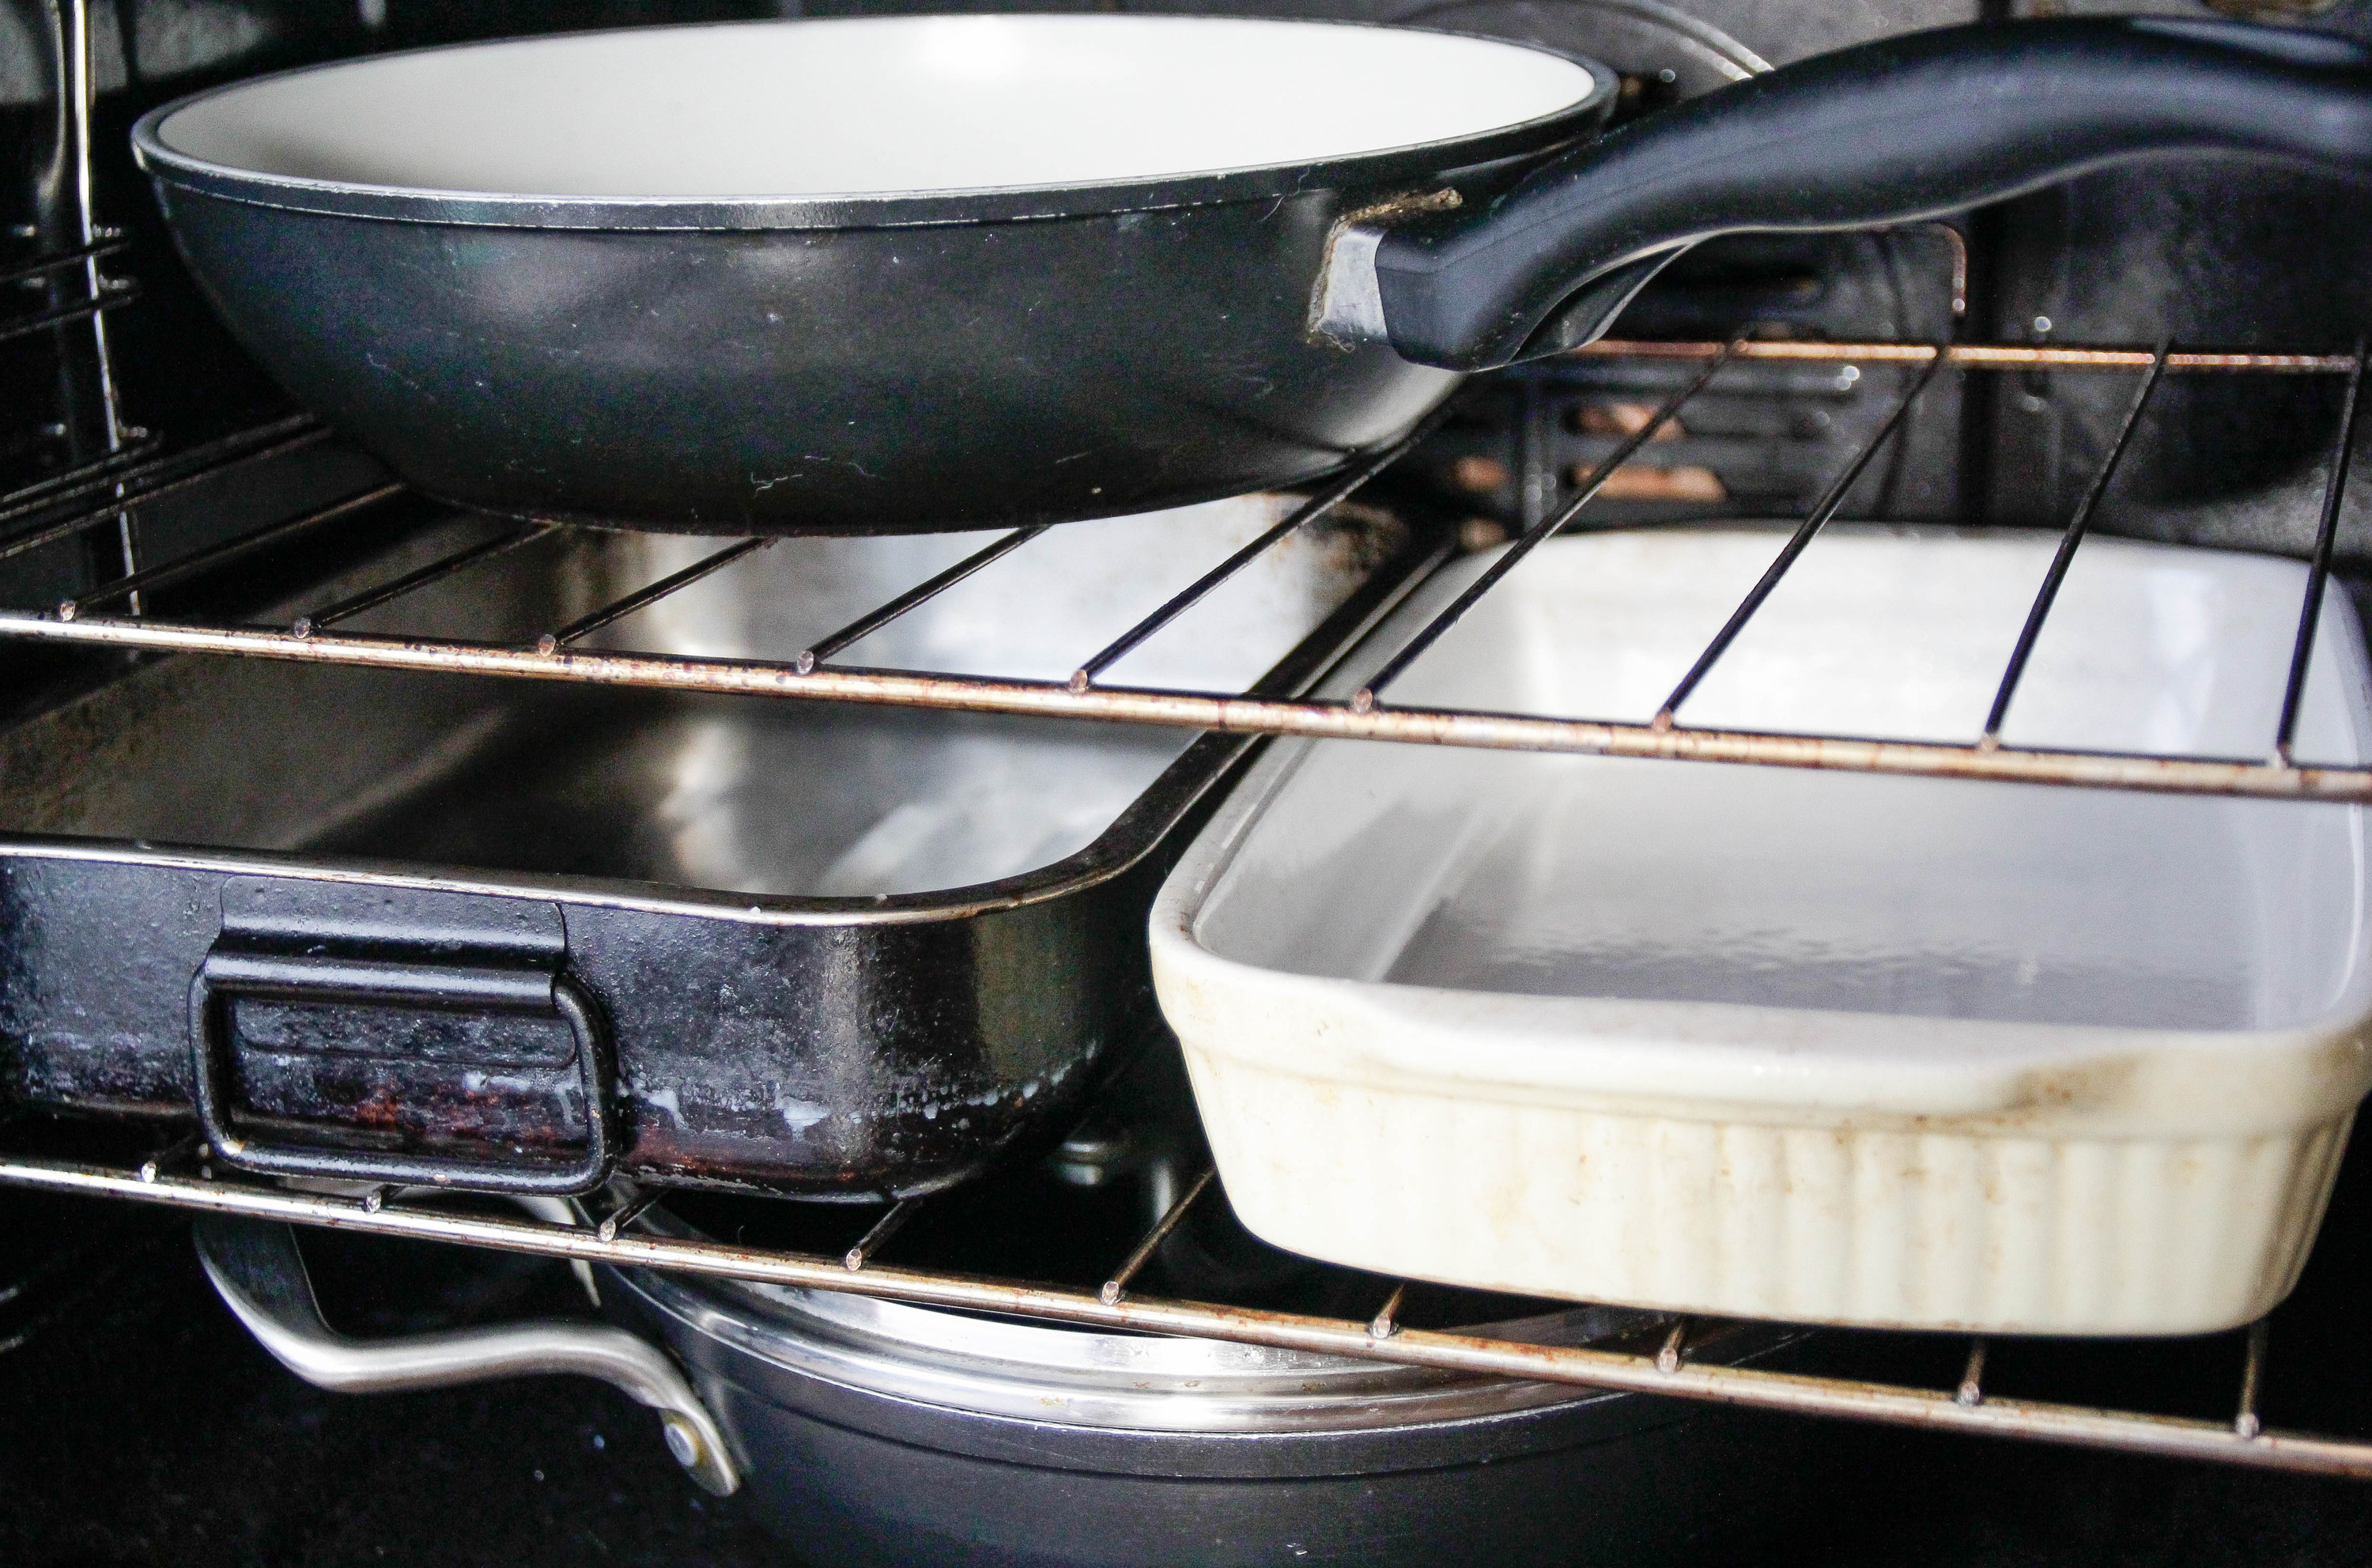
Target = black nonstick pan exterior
(831,381)
(889,364)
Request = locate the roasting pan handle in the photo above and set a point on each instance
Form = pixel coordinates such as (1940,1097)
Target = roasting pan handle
(259,1273)
(1904,128)
(316,979)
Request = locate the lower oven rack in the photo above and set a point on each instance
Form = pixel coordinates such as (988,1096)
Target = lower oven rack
(180,1178)
(111,617)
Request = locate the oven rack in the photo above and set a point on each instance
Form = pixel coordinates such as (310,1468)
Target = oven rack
(183,1177)
(111,616)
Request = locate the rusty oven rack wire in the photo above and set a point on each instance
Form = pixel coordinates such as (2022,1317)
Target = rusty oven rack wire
(111,616)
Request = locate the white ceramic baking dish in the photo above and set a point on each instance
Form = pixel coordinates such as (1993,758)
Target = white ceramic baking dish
(1789,1044)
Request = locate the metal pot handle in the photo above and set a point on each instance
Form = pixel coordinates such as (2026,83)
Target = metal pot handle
(255,1266)
(1904,128)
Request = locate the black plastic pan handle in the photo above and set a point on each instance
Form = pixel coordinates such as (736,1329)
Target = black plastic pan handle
(1903,129)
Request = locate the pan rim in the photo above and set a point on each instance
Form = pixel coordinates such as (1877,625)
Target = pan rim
(1423,163)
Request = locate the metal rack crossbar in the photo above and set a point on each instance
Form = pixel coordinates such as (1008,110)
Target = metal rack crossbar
(1964,1406)
(82,478)
(99,250)
(114,294)
(1822,511)
(2272,774)
(141,483)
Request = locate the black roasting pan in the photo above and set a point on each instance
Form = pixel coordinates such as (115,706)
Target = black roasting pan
(516,936)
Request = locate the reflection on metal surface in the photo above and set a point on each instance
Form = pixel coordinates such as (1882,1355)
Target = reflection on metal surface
(1934,1409)
(1637,481)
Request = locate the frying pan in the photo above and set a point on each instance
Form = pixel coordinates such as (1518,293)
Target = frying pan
(898,275)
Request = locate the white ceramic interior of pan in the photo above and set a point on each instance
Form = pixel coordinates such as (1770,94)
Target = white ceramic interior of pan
(1693,882)
(876,105)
